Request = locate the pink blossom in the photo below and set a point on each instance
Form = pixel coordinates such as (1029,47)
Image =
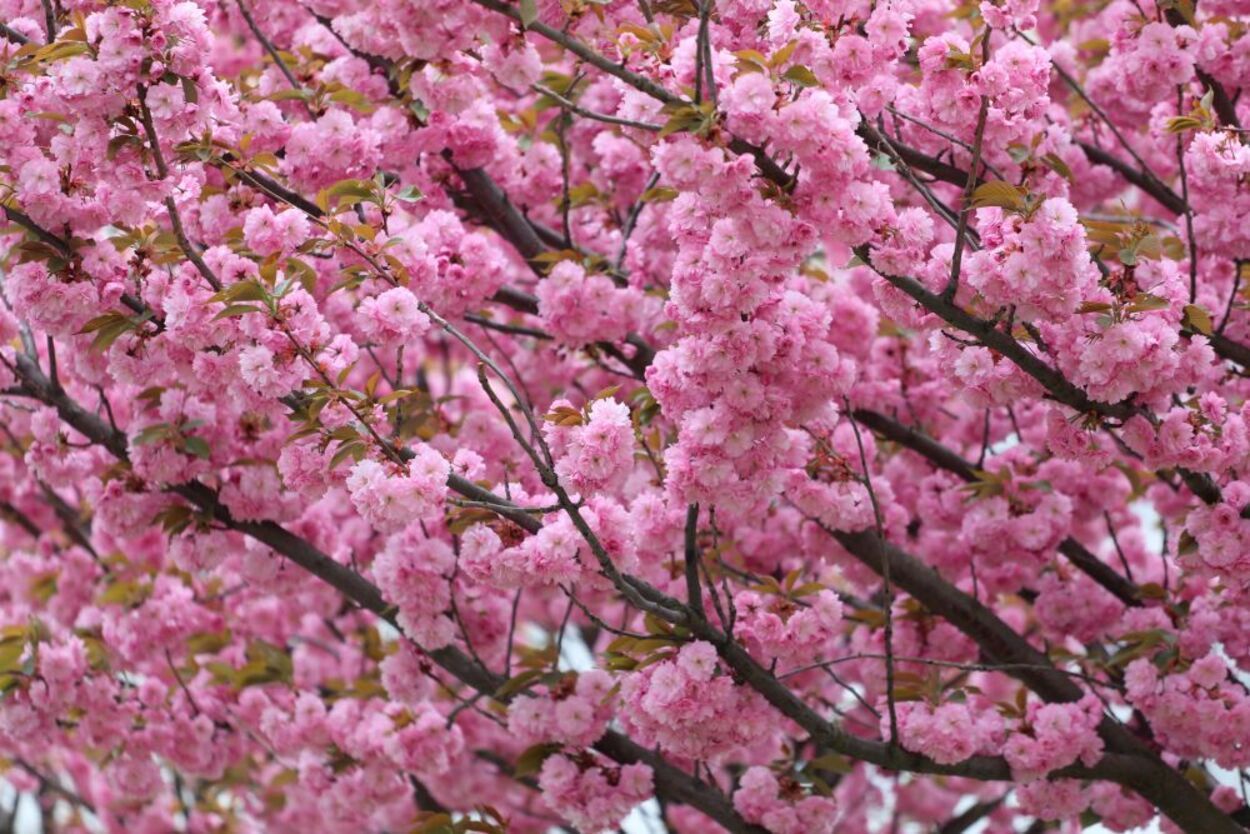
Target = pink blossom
(390,497)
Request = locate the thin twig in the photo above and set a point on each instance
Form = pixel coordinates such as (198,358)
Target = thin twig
(49,20)
(1115,540)
(1189,212)
(631,220)
(1232,296)
(694,591)
(277,58)
(510,329)
(937,131)
(162,170)
(572,106)
(965,206)
(13,35)
(885,579)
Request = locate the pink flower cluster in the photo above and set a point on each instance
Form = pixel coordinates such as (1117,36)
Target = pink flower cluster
(574,711)
(986,378)
(1220,534)
(451,268)
(1144,60)
(689,707)
(391,497)
(947,733)
(1218,165)
(332,148)
(267,233)
(229,427)
(592,794)
(1199,712)
(556,555)
(393,317)
(598,455)
(1053,736)
(1053,799)
(776,627)
(1141,352)
(413,571)
(779,804)
(1039,265)
(422,742)
(755,356)
(579,308)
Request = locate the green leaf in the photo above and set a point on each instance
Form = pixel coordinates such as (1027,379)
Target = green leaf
(1198,319)
(266,663)
(1173,247)
(128,593)
(353,99)
(353,449)
(44,587)
(998,193)
(433,823)
(151,434)
(289,95)
(208,642)
(10,652)
(529,13)
(531,760)
(1089,819)
(684,118)
(782,55)
(198,446)
(659,194)
(61,50)
(1019,153)
(1146,302)
(352,191)
(174,519)
(1054,163)
(236,310)
(100,322)
(242,291)
(109,327)
(411,194)
(802,76)
(518,683)
(118,142)
(832,763)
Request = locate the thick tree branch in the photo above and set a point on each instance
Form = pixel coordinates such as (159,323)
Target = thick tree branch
(1166,197)
(939,455)
(675,784)
(1151,777)
(992,336)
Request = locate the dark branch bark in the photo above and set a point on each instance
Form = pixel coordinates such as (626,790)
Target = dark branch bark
(989,334)
(931,165)
(1165,196)
(961,823)
(1148,775)
(1057,386)
(674,784)
(937,454)
(19,518)
(13,35)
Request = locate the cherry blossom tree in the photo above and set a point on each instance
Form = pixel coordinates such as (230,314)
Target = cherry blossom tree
(513,415)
